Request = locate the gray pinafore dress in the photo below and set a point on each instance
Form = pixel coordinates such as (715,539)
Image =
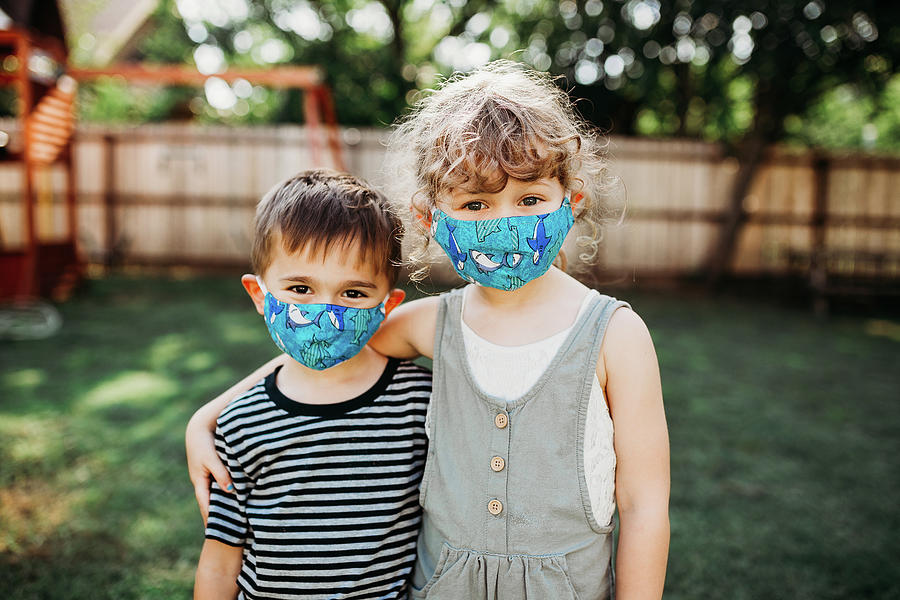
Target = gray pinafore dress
(507,514)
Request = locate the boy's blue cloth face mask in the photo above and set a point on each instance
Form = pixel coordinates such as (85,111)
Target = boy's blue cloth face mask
(503,253)
(320,336)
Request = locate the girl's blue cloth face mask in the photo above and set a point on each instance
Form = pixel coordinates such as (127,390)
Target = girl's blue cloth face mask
(503,253)
(320,336)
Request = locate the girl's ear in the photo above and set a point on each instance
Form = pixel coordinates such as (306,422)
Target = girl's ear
(423,220)
(574,202)
(421,215)
(394,299)
(256,294)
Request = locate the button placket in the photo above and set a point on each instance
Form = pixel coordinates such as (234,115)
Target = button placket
(495,501)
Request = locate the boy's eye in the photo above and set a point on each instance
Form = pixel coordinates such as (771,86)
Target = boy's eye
(474,205)
(299,289)
(354,294)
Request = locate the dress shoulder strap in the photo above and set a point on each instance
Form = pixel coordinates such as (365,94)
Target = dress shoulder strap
(448,322)
(593,325)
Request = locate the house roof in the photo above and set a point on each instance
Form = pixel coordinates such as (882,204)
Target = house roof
(102,31)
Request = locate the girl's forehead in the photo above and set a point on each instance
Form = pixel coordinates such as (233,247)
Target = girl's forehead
(508,183)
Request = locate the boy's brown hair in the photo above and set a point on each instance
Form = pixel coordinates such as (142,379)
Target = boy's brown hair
(320,210)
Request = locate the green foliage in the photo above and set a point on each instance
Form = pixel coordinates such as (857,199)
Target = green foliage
(112,100)
(696,68)
(846,117)
(784,434)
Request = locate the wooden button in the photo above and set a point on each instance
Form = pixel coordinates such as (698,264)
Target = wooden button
(501,420)
(495,507)
(497,463)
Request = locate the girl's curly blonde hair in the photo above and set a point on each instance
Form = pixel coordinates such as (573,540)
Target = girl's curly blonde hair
(479,129)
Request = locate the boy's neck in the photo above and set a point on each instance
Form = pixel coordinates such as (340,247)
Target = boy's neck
(341,382)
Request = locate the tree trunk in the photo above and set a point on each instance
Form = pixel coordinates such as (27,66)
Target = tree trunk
(750,152)
(750,155)
(683,97)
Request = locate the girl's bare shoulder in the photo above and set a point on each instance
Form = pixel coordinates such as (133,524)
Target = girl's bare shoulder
(627,348)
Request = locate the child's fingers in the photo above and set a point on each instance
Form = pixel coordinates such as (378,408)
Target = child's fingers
(201,493)
(220,474)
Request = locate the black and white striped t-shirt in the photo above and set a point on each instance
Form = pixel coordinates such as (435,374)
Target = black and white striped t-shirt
(326,496)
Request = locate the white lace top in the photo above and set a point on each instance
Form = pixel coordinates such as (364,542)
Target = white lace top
(508,372)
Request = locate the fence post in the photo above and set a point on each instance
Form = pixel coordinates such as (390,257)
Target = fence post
(110,233)
(818,264)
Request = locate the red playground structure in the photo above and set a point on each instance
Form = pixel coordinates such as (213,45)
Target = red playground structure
(36,263)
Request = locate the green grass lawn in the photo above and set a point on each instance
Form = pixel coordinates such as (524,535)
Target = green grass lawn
(785,434)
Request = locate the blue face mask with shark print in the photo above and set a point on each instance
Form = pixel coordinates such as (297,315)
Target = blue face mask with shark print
(320,336)
(503,253)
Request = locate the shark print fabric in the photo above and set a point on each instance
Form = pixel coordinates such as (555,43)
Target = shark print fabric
(320,336)
(503,253)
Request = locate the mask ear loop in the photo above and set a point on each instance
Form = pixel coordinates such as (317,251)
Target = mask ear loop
(262,286)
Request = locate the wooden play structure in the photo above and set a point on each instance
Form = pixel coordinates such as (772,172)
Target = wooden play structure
(33,261)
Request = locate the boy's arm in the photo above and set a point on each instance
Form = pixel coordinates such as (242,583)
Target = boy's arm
(631,372)
(408,331)
(202,459)
(217,571)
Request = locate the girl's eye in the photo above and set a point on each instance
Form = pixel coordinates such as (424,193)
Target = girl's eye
(299,289)
(474,205)
(530,200)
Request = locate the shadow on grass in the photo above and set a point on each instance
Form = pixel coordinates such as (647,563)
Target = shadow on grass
(92,425)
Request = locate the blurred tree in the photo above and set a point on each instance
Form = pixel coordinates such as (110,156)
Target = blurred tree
(366,49)
(697,68)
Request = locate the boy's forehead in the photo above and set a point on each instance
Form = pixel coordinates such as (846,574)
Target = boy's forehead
(339,258)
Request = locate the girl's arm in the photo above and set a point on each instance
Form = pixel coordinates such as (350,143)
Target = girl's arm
(217,571)
(409,331)
(203,462)
(641,443)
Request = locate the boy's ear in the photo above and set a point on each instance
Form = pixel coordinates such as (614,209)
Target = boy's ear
(394,299)
(256,294)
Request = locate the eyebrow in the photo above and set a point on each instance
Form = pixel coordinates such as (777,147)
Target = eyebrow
(357,284)
(543,187)
(353,283)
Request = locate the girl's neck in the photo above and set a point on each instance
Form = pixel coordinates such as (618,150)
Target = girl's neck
(545,288)
(535,311)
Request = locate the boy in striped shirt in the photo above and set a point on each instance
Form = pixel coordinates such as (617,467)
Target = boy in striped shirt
(327,451)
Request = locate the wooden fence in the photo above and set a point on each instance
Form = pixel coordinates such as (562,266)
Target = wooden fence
(184,194)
